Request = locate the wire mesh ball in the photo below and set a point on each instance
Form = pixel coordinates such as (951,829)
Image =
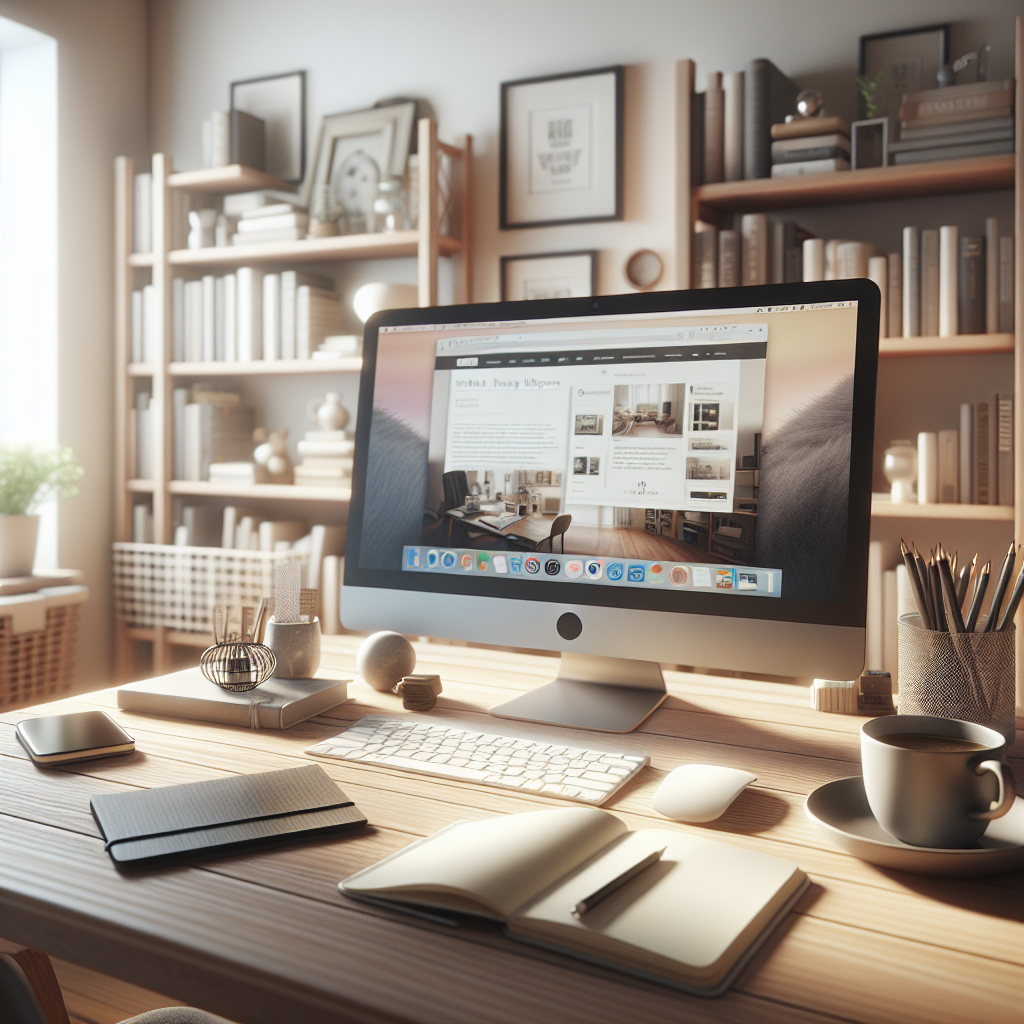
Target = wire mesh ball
(238,667)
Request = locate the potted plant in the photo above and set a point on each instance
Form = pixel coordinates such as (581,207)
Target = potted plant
(29,476)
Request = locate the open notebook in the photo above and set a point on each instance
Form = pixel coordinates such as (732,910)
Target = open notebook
(690,920)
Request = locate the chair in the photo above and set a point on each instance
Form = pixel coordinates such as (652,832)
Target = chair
(456,487)
(558,528)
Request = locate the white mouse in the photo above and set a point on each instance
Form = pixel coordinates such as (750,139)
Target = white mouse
(700,792)
(457,512)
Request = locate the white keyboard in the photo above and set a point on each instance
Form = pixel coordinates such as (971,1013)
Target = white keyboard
(507,762)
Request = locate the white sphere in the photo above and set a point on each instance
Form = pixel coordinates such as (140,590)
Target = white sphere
(384,659)
(263,454)
(276,465)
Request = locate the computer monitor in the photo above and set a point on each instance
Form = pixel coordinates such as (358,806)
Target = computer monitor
(674,477)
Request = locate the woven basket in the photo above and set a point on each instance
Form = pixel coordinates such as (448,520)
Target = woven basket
(969,676)
(38,667)
(177,587)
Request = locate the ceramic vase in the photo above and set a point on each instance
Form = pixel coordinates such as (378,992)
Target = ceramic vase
(900,468)
(328,413)
(18,536)
(296,645)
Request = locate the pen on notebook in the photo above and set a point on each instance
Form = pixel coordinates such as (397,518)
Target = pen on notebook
(980,586)
(1011,607)
(953,616)
(616,883)
(1001,584)
(915,584)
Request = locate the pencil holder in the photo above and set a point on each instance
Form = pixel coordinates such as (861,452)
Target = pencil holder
(237,666)
(969,676)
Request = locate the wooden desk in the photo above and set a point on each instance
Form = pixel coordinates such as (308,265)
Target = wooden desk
(533,528)
(265,937)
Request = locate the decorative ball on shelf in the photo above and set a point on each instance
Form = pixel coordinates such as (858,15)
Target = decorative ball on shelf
(271,456)
(810,103)
(385,659)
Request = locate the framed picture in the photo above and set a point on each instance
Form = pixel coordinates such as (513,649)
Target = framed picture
(561,149)
(280,101)
(870,143)
(353,152)
(553,275)
(908,62)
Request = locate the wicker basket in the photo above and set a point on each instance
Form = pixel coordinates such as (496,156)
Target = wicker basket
(177,587)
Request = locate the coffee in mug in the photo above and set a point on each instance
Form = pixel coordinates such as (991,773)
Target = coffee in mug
(935,782)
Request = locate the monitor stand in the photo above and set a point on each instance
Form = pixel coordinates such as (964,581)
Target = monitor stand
(591,692)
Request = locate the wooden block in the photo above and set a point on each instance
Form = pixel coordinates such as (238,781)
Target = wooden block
(419,692)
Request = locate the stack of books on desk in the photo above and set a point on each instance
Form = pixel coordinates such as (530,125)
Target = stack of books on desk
(810,145)
(326,458)
(974,119)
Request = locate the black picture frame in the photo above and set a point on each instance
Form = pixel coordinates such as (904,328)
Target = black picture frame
(507,261)
(865,64)
(507,88)
(300,114)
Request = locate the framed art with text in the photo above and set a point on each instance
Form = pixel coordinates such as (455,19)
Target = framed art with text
(905,61)
(551,275)
(561,149)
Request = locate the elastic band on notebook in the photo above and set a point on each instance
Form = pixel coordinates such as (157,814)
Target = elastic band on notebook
(221,824)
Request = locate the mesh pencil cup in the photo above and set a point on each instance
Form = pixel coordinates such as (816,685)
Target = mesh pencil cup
(969,676)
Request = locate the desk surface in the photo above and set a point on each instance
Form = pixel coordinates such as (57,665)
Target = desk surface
(265,937)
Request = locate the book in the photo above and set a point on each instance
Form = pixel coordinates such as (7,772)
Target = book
(219,313)
(202,525)
(240,203)
(714,128)
(852,259)
(271,316)
(962,130)
(921,156)
(832,257)
(342,344)
(179,399)
(239,473)
(809,167)
(991,275)
(318,313)
(215,433)
(813,154)
(810,147)
(271,531)
(79,736)
(178,320)
(952,100)
(142,524)
(949,467)
(895,310)
(971,301)
(949,291)
(802,127)
(911,282)
(230,318)
(1006,284)
(142,220)
(247,533)
(966,435)
(331,573)
(814,259)
(692,920)
(272,209)
(247,140)
(324,541)
(728,259)
(873,653)
(953,138)
(219,154)
(274,235)
(732,134)
(229,524)
(1004,449)
(777,257)
(144,436)
(290,283)
(981,479)
(754,249)
(169,822)
(929,283)
(209,307)
(927,468)
(769,97)
(254,225)
(878,271)
(704,262)
(249,323)
(965,117)
(193,326)
(137,326)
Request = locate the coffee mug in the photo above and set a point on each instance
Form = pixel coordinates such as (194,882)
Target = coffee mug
(935,782)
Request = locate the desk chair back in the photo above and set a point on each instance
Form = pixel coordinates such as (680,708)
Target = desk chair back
(558,528)
(456,487)
(17,1003)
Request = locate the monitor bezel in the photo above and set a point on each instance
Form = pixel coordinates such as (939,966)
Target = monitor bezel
(851,611)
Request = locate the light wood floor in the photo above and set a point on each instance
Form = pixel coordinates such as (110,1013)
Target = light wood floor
(651,430)
(622,542)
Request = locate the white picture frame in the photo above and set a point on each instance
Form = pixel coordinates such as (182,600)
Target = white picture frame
(561,149)
(280,102)
(553,275)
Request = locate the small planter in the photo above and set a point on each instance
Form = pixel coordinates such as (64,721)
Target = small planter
(18,536)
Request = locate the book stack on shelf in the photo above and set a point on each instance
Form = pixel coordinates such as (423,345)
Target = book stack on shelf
(810,145)
(974,119)
(212,435)
(326,458)
(279,222)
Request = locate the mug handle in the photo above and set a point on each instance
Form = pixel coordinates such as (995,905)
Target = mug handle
(1007,791)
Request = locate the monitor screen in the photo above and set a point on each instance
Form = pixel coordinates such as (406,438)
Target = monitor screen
(705,452)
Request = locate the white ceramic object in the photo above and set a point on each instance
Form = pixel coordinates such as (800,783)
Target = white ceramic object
(18,536)
(296,645)
(927,467)
(384,659)
(900,468)
(327,413)
(841,814)
(378,295)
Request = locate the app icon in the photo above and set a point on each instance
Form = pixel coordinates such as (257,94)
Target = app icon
(747,581)
(466,561)
(656,573)
(551,566)
(678,575)
(433,558)
(532,564)
(636,574)
(723,579)
(701,576)
(448,559)
(482,562)
(412,558)
(500,563)
(594,569)
(515,563)
(574,568)
(614,570)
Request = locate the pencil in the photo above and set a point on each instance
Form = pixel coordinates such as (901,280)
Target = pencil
(915,584)
(954,617)
(936,587)
(1003,582)
(980,586)
(965,578)
(926,587)
(1011,607)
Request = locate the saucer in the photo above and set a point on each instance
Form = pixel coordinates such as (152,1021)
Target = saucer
(841,813)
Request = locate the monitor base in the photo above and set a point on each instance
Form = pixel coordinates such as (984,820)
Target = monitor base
(604,694)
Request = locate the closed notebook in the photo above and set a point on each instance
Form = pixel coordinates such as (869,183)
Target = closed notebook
(691,920)
(175,821)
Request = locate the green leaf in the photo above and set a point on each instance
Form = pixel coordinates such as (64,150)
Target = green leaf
(30,476)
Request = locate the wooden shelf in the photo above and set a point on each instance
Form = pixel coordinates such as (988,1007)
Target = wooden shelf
(943,177)
(312,250)
(958,345)
(222,181)
(289,492)
(141,486)
(140,259)
(882,508)
(261,367)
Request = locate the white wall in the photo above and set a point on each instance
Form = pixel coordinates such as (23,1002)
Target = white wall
(102,112)
(457,52)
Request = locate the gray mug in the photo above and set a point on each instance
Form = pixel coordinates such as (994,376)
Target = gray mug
(939,798)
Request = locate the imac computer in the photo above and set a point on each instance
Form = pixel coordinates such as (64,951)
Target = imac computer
(677,477)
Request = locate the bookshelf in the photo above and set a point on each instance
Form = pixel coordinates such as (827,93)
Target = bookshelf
(159,267)
(949,179)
